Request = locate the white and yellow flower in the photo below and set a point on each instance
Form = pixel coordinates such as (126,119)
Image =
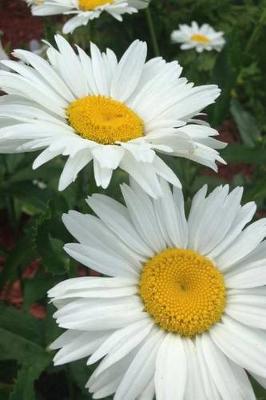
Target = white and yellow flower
(182,314)
(114,113)
(85,10)
(199,37)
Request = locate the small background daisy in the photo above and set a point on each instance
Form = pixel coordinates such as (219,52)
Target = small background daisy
(198,37)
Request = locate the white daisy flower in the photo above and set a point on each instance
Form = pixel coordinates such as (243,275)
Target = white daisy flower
(85,10)
(199,37)
(118,114)
(182,314)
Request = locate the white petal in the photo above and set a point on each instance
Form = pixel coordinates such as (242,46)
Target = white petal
(171,369)
(79,347)
(210,389)
(119,337)
(72,167)
(90,230)
(45,156)
(86,287)
(73,75)
(171,216)
(218,220)
(243,345)
(246,242)
(128,342)
(143,173)
(195,384)
(46,71)
(206,218)
(141,370)
(116,217)
(248,306)
(105,263)
(220,368)
(129,71)
(143,217)
(108,156)
(250,271)
(99,314)
(244,216)
(102,175)
(148,393)
(99,70)
(107,382)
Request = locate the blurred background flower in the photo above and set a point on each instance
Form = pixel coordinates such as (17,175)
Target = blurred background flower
(199,37)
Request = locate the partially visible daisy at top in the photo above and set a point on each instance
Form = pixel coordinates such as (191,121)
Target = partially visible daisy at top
(199,37)
(113,113)
(85,10)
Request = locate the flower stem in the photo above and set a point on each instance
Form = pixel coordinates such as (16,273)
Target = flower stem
(256,32)
(152,33)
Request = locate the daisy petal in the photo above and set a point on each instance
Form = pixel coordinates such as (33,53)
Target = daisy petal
(171,362)
(241,344)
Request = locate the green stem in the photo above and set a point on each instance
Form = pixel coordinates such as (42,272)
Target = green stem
(152,33)
(256,32)
(71,387)
(10,203)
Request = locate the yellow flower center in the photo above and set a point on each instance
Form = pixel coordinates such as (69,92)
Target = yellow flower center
(104,120)
(199,38)
(88,5)
(183,291)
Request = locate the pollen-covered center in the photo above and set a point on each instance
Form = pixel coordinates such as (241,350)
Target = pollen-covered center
(183,291)
(88,5)
(199,38)
(104,120)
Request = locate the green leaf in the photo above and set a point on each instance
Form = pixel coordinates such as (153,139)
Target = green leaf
(16,347)
(20,339)
(237,153)
(24,386)
(51,329)
(51,250)
(36,289)
(224,75)
(21,323)
(258,389)
(20,256)
(246,124)
(80,373)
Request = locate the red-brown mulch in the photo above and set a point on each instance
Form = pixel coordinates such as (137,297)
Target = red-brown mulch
(17,24)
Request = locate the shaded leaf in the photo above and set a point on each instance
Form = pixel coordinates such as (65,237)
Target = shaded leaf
(237,153)
(246,124)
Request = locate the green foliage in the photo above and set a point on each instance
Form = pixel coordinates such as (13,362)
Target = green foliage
(31,207)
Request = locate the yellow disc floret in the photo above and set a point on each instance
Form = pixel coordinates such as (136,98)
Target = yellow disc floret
(183,291)
(89,5)
(199,38)
(104,120)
